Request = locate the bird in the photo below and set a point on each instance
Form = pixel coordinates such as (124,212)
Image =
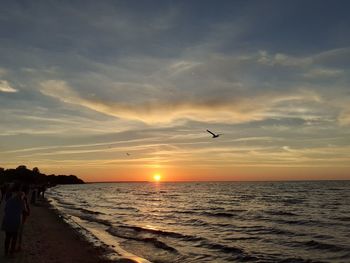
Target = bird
(214,135)
(128,154)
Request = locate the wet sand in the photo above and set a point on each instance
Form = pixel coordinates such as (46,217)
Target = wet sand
(48,239)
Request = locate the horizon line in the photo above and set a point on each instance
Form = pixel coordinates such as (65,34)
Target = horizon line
(215,181)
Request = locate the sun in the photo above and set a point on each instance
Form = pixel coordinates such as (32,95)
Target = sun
(156,177)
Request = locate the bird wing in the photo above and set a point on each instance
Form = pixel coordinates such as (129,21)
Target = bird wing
(211,133)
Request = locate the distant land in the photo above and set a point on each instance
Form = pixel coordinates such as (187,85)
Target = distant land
(25,175)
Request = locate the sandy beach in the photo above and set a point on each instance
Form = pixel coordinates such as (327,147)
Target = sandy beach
(48,239)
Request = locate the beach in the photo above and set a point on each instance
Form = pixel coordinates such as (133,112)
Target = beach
(48,239)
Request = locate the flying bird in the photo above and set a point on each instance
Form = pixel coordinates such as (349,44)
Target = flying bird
(214,135)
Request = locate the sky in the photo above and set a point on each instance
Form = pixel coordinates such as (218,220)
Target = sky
(122,90)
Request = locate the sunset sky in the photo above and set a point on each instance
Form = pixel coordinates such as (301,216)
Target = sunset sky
(123,90)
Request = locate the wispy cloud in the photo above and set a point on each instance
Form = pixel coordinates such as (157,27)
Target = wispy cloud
(198,92)
(6,87)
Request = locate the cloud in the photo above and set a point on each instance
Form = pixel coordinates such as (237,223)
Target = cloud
(335,58)
(220,109)
(323,73)
(282,59)
(204,87)
(209,88)
(6,87)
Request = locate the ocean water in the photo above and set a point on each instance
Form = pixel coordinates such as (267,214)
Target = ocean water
(213,222)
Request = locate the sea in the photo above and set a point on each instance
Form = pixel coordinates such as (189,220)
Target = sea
(304,221)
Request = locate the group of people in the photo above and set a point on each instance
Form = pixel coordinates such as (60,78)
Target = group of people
(16,212)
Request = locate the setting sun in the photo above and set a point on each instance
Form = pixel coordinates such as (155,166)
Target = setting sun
(156,177)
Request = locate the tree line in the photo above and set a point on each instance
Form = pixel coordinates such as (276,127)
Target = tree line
(25,175)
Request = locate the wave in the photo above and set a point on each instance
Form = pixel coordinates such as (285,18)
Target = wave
(317,245)
(225,249)
(65,203)
(194,222)
(236,210)
(218,214)
(161,233)
(119,206)
(241,238)
(222,248)
(145,194)
(272,231)
(171,195)
(209,214)
(298,260)
(280,213)
(91,218)
(343,218)
(87,211)
(300,222)
(292,201)
(136,229)
(157,243)
(127,208)
(152,240)
(323,246)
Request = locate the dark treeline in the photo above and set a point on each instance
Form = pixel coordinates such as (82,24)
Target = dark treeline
(25,175)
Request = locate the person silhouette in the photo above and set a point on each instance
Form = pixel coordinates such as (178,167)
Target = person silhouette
(12,219)
(3,190)
(25,214)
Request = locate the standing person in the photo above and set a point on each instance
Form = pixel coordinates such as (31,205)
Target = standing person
(8,191)
(43,190)
(25,214)
(34,195)
(38,192)
(3,192)
(12,220)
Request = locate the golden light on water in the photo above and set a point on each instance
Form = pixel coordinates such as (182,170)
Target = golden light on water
(157,177)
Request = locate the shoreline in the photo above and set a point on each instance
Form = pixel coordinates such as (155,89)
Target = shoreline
(47,238)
